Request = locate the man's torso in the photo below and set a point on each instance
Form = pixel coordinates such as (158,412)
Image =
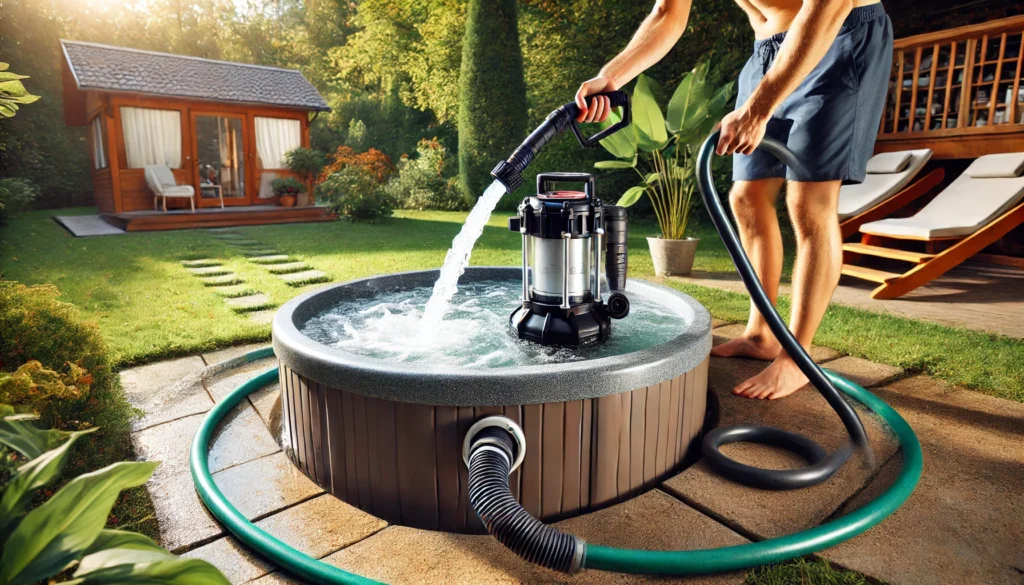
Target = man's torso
(769,17)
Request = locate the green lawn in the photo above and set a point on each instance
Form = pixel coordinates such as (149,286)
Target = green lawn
(148,307)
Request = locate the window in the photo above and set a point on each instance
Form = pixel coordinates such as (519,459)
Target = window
(275,137)
(151,137)
(98,136)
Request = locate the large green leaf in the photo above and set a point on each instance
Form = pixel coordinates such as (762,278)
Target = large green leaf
(689,99)
(615,164)
(58,533)
(30,477)
(631,196)
(168,571)
(622,144)
(18,433)
(647,117)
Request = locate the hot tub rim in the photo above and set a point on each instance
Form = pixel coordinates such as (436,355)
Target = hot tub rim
(444,385)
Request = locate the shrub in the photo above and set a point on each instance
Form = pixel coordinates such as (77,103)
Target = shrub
(375,162)
(427,180)
(63,539)
(492,93)
(355,193)
(357,137)
(306,162)
(15,195)
(287,186)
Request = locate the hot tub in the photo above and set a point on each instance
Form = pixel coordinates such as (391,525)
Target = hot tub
(387,436)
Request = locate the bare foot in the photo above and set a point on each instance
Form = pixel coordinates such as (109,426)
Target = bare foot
(778,380)
(758,347)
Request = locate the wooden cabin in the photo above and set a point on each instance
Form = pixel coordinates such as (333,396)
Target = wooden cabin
(221,127)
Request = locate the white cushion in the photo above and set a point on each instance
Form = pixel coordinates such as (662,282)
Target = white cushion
(1003,166)
(889,162)
(964,207)
(876,188)
(178,191)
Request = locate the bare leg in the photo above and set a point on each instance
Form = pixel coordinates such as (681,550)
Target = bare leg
(753,205)
(819,259)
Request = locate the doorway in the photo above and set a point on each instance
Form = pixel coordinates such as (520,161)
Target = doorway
(220,147)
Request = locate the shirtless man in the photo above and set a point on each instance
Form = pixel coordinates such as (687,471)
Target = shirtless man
(821,92)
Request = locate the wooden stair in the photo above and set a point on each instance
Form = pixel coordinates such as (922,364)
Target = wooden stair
(865,273)
(891,253)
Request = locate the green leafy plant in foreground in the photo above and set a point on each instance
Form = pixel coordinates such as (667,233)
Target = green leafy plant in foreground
(64,538)
(12,92)
(661,147)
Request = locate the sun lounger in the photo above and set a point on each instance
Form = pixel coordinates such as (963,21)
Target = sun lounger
(979,207)
(892,182)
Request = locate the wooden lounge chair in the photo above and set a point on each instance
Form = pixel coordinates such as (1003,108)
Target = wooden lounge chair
(891,184)
(161,181)
(979,207)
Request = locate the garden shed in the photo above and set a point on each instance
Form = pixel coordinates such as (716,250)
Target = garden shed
(220,128)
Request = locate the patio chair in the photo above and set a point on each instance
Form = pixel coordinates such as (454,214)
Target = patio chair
(161,181)
(975,210)
(891,184)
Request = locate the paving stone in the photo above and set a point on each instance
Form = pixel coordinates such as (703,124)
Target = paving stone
(266,485)
(166,390)
(288,267)
(276,579)
(305,277)
(200,262)
(221,385)
(716,323)
(183,519)
(223,355)
(256,252)
(321,526)
(722,334)
(262,317)
(225,280)
(653,520)
(209,271)
(771,513)
(232,558)
(249,303)
(965,521)
(269,259)
(864,372)
(267,402)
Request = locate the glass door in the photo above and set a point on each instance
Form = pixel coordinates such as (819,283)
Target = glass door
(220,160)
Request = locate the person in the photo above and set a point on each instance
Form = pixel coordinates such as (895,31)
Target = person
(816,80)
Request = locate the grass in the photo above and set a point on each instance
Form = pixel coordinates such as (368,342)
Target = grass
(149,307)
(804,571)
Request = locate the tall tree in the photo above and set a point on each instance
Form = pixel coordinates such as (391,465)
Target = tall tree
(492,92)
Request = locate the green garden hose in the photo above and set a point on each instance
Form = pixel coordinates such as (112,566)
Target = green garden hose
(603,558)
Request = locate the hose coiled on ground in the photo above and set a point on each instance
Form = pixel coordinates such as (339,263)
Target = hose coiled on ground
(490,464)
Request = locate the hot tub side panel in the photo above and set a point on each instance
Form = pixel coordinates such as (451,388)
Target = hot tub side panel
(403,461)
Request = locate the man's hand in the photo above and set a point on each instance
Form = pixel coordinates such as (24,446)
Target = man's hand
(742,131)
(600,106)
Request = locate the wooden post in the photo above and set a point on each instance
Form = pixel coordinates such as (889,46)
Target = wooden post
(994,97)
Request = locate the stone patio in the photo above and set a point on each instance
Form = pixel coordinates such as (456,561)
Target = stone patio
(964,524)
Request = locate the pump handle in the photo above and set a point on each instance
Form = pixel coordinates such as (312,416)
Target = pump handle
(618,99)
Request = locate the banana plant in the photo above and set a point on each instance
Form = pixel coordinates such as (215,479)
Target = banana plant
(661,147)
(64,539)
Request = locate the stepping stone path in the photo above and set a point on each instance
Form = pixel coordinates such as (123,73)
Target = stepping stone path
(293,272)
(225,283)
(223,280)
(288,267)
(270,259)
(210,271)
(249,303)
(305,277)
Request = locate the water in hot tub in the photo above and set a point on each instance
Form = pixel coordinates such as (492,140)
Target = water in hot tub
(475,332)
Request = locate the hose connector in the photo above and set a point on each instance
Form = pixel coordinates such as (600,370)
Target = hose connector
(493,448)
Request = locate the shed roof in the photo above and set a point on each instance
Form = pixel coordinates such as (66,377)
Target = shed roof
(97,67)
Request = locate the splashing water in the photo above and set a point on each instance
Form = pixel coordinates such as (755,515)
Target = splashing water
(457,259)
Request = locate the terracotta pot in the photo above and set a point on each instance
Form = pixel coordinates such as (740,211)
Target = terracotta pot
(672,257)
(286,200)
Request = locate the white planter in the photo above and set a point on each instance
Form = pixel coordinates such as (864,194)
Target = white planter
(672,257)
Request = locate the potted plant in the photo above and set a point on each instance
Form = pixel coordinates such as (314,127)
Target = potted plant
(661,149)
(286,189)
(307,164)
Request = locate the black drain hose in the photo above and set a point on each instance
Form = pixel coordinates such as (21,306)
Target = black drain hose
(491,455)
(822,465)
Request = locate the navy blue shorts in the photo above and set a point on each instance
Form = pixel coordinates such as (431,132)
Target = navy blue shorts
(831,120)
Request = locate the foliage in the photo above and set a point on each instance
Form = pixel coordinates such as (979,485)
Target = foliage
(12,92)
(66,533)
(357,137)
(35,387)
(377,164)
(664,145)
(492,93)
(15,195)
(287,186)
(426,181)
(355,193)
(307,162)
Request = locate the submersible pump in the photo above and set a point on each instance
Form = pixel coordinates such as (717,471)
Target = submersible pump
(565,235)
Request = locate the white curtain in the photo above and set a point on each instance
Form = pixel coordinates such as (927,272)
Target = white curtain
(99,145)
(152,137)
(274,137)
